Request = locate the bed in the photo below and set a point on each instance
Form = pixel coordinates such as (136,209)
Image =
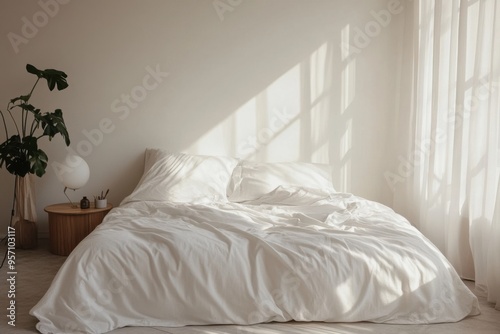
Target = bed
(214,240)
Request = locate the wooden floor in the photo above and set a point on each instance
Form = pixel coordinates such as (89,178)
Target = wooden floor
(36,269)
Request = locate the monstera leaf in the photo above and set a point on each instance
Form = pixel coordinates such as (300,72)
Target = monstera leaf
(20,152)
(52,124)
(23,156)
(54,77)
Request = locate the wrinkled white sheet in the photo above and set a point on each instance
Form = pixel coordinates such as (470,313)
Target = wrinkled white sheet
(314,257)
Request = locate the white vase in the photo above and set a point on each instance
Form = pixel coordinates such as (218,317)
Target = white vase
(25,213)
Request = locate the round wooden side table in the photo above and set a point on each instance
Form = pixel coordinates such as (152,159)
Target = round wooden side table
(69,225)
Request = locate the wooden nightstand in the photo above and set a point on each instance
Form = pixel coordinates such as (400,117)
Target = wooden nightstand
(68,226)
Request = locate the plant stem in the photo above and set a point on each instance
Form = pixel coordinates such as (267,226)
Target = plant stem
(13,119)
(4,126)
(24,119)
(32,89)
(33,129)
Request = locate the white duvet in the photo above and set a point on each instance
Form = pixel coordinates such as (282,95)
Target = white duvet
(314,257)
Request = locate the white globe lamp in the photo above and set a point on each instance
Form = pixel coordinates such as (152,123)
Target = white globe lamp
(75,174)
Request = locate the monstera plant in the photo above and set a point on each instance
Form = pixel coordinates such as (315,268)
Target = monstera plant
(20,152)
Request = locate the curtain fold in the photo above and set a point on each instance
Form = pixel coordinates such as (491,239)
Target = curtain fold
(492,285)
(447,176)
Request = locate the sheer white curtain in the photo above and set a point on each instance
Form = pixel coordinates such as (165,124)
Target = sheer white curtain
(446,179)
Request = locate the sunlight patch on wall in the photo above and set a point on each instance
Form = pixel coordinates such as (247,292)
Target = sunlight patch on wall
(348,89)
(280,119)
(265,128)
(289,120)
(224,137)
(348,72)
(348,85)
(319,137)
(345,153)
(317,77)
(319,108)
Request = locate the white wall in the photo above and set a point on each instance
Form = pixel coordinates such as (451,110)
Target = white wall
(262,80)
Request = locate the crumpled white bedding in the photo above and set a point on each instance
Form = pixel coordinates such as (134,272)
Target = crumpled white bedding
(316,256)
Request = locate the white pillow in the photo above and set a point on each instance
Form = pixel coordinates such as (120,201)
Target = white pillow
(178,177)
(251,180)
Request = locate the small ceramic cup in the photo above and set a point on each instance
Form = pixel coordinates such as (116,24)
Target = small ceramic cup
(101,203)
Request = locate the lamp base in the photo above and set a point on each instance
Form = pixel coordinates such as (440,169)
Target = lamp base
(73,205)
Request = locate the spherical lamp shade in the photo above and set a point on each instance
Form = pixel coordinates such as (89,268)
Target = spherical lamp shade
(76,174)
